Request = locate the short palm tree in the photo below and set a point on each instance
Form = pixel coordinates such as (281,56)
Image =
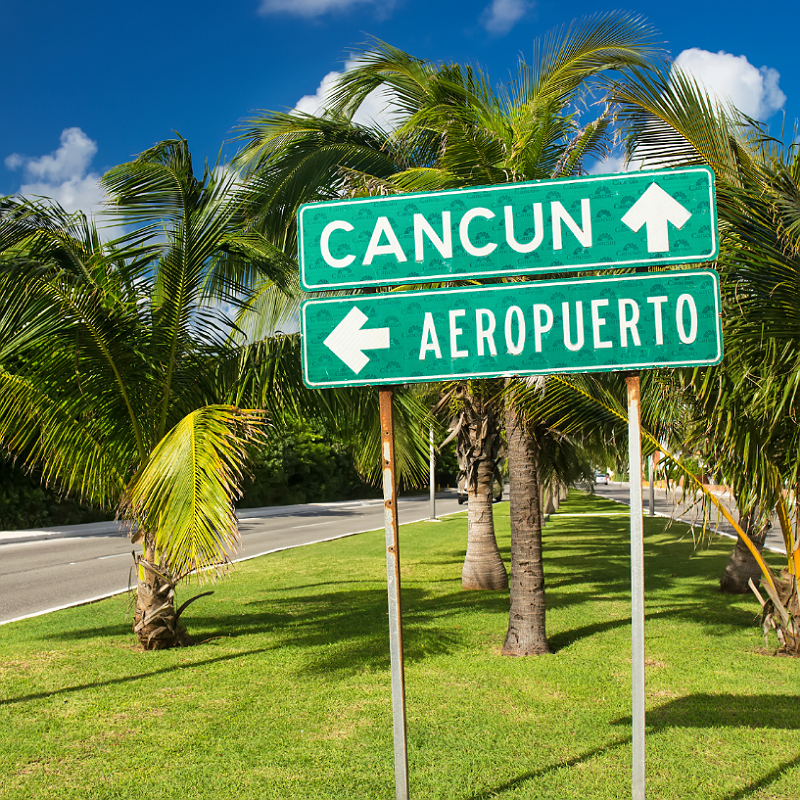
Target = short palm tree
(115,391)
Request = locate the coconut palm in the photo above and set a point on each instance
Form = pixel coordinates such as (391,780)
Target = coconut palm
(117,397)
(744,416)
(455,129)
(482,136)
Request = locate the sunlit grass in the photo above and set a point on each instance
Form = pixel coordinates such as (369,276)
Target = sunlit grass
(287,693)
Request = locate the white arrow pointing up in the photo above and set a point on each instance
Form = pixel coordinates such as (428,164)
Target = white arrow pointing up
(348,340)
(655,208)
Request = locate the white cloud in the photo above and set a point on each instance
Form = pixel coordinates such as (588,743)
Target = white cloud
(501,16)
(374,109)
(608,166)
(62,175)
(612,164)
(753,91)
(316,8)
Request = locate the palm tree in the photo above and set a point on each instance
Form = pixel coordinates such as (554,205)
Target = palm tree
(456,130)
(475,407)
(115,393)
(481,136)
(744,419)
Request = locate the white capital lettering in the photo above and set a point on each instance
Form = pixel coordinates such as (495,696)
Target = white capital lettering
(515,348)
(686,300)
(444,244)
(629,324)
(657,302)
(463,232)
(578,326)
(430,341)
(597,323)
(538,230)
(324,244)
(560,214)
(485,334)
(542,322)
(382,227)
(455,333)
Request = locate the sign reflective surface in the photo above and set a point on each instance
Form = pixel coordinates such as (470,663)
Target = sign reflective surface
(593,222)
(599,324)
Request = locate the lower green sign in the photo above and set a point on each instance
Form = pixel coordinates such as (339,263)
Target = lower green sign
(620,322)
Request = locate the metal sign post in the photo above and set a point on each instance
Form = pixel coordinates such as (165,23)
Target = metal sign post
(433,476)
(393,586)
(637,585)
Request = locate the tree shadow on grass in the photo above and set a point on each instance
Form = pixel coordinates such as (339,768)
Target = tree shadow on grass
(773,775)
(520,780)
(345,632)
(129,678)
(773,711)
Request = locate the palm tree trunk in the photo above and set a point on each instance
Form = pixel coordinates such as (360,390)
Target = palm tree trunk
(741,566)
(526,619)
(483,564)
(155,621)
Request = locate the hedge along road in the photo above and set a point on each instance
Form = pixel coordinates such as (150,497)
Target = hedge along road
(48,569)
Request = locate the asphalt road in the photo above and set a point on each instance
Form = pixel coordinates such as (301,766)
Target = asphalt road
(687,509)
(43,570)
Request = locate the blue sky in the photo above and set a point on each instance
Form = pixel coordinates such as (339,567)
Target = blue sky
(91,84)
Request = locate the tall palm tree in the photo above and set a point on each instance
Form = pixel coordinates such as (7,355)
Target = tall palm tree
(744,419)
(115,394)
(481,136)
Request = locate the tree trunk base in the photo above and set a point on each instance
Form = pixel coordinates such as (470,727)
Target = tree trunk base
(517,648)
(780,613)
(480,576)
(740,569)
(155,620)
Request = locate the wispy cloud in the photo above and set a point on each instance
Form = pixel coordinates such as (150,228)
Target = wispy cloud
(316,8)
(502,15)
(733,78)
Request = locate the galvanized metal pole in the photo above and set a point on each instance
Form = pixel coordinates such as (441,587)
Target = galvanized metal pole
(393,586)
(433,477)
(637,586)
(651,465)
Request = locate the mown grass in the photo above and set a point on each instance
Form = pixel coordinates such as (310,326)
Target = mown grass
(287,695)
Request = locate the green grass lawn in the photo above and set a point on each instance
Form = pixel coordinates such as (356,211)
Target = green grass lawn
(287,694)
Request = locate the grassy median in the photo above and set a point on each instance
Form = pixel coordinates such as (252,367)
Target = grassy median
(287,693)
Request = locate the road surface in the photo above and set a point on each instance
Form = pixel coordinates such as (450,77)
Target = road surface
(687,509)
(43,570)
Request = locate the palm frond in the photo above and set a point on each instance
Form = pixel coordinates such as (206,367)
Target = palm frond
(184,495)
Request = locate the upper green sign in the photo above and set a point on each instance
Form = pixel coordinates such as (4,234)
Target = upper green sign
(588,324)
(595,222)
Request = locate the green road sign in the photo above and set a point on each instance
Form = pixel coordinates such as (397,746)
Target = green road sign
(667,319)
(595,222)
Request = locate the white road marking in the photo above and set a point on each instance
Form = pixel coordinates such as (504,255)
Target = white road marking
(314,524)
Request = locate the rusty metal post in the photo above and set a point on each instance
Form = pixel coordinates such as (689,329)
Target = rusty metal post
(393,586)
(637,586)
(432,467)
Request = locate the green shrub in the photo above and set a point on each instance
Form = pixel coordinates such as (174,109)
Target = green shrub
(25,503)
(303,465)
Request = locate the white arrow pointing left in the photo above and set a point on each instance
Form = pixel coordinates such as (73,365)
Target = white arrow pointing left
(656,209)
(349,340)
